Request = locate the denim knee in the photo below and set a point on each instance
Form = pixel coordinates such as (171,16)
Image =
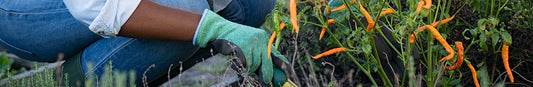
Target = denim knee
(196,6)
(40,30)
(248,12)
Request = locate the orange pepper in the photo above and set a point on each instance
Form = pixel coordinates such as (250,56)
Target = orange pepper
(460,54)
(445,44)
(329,52)
(443,21)
(324,29)
(419,6)
(292,10)
(428,4)
(271,40)
(412,38)
(434,24)
(371,22)
(387,11)
(474,74)
(505,58)
(342,7)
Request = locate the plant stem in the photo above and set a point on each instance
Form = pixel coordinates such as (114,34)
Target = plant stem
(355,61)
(348,6)
(384,77)
(388,42)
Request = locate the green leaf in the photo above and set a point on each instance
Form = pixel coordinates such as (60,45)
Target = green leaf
(367,48)
(455,82)
(482,43)
(495,36)
(493,21)
(424,13)
(474,32)
(481,24)
(483,76)
(507,38)
(5,64)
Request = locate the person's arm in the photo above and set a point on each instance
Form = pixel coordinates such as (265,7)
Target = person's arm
(134,18)
(154,21)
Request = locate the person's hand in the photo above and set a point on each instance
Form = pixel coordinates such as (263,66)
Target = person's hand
(281,64)
(251,43)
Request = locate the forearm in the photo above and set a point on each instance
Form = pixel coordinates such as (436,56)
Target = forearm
(154,21)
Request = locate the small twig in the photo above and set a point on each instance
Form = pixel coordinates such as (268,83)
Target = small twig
(303,71)
(145,83)
(525,85)
(393,72)
(181,69)
(466,22)
(332,72)
(168,74)
(502,74)
(59,75)
(520,75)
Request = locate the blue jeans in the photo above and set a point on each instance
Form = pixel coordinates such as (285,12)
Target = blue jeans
(40,30)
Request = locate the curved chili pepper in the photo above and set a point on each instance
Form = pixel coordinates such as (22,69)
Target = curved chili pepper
(324,29)
(292,10)
(445,44)
(505,58)
(371,22)
(460,54)
(387,11)
(474,74)
(271,40)
(329,52)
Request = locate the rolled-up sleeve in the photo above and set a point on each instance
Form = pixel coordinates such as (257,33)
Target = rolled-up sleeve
(104,17)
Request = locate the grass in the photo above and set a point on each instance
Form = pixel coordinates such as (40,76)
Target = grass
(47,78)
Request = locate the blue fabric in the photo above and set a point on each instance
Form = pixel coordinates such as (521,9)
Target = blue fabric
(40,30)
(248,12)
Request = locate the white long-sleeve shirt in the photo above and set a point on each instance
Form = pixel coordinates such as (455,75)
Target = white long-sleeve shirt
(104,17)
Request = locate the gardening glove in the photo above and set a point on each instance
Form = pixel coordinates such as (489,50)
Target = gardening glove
(280,62)
(249,42)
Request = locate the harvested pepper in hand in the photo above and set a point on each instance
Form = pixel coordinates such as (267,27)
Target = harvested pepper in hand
(292,10)
(505,58)
(387,11)
(460,54)
(271,40)
(329,52)
(428,4)
(371,22)
(324,29)
(419,6)
(445,44)
(474,74)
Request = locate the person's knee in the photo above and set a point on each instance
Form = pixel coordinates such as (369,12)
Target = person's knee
(196,6)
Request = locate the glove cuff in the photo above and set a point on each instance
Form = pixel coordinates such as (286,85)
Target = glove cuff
(209,28)
(198,28)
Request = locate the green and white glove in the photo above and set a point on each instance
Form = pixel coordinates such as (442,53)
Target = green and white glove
(251,42)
